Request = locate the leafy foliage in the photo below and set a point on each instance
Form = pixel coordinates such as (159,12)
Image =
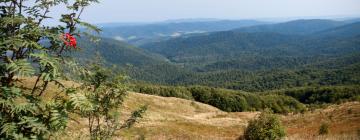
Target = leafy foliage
(98,100)
(22,116)
(266,127)
(25,114)
(29,48)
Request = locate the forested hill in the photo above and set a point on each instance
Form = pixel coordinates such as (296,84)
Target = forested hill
(139,34)
(269,59)
(223,45)
(117,52)
(136,62)
(349,30)
(300,27)
(249,61)
(235,44)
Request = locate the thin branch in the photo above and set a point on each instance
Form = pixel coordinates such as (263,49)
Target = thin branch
(20,7)
(43,16)
(44,88)
(35,85)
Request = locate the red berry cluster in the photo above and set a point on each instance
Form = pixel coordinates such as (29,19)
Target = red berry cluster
(69,40)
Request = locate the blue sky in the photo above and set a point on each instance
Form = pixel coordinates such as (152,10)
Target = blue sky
(158,10)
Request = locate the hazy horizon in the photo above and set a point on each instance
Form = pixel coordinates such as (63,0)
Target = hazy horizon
(110,11)
(274,19)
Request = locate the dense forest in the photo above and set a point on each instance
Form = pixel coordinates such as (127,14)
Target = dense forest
(257,58)
(286,67)
(279,101)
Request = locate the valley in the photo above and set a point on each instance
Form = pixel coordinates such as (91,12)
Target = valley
(255,58)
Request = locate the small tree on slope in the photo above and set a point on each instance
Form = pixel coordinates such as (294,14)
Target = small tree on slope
(266,127)
(28,47)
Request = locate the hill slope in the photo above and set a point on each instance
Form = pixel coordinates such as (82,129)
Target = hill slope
(117,52)
(250,61)
(259,59)
(165,119)
(299,27)
(230,45)
(173,118)
(136,62)
(236,50)
(348,30)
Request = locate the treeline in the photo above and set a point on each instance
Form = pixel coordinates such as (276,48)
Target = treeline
(323,95)
(327,72)
(165,91)
(280,101)
(253,81)
(226,100)
(237,101)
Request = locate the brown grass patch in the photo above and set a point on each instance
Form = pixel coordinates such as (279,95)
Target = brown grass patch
(174,118)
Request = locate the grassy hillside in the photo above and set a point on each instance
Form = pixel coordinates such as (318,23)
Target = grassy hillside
(174,118)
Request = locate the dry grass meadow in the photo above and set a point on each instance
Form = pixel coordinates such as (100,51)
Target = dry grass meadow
(170,118)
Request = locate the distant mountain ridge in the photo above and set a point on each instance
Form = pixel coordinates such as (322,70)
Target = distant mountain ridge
(296,36)
(138,34)
(347,30)
(256,58)
(299,27)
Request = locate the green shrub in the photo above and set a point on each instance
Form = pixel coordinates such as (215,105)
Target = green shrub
(266,127)
(29,47)
(324,129)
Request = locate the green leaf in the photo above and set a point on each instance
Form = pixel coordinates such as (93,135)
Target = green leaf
(81,102)
(20,67)
(23,108)
(8,129)
(58,119)
(88,26)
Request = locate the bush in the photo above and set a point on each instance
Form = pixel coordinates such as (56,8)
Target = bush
(31,48)
(266,127)
(324,129)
